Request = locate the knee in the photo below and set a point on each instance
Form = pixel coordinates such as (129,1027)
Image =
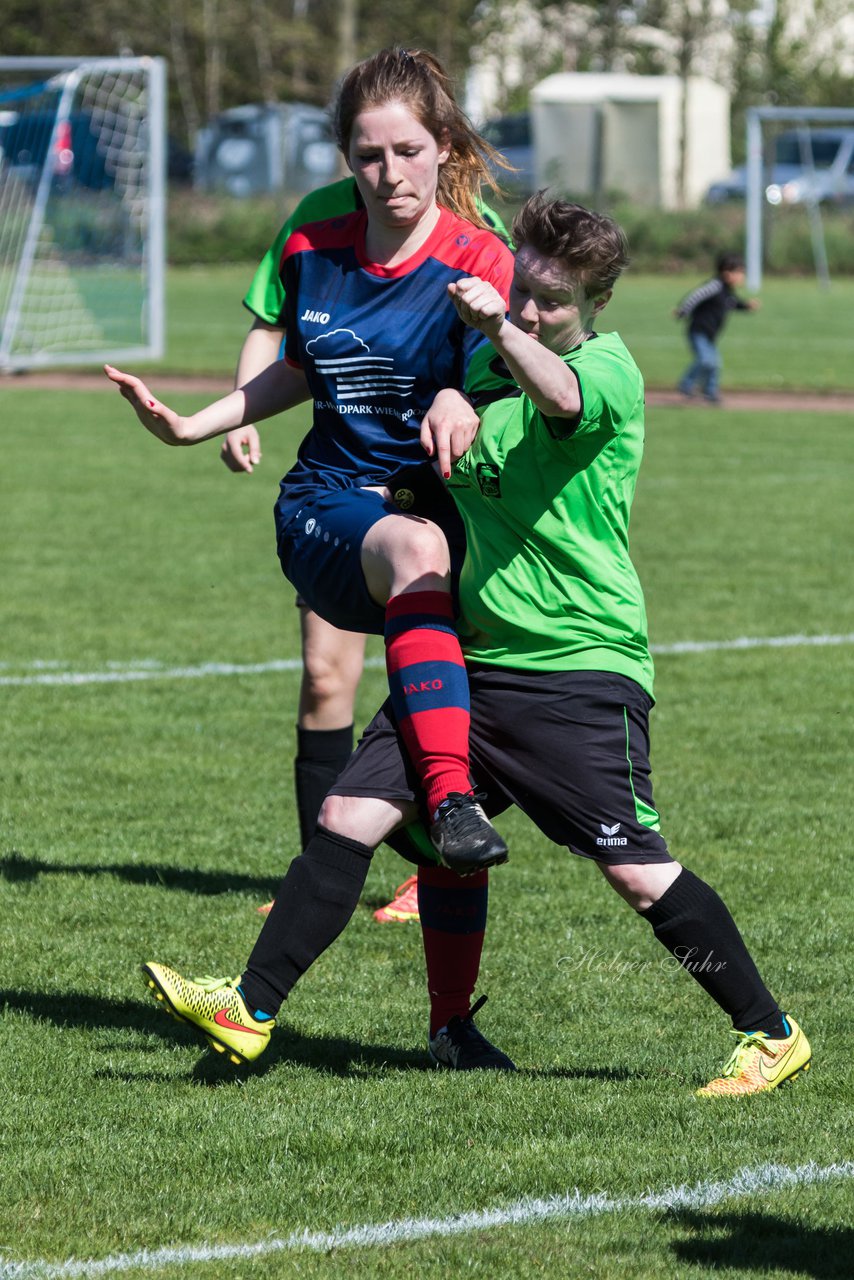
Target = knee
(422,552)
(330,677)
(641,884)
(367,819)
(333,813)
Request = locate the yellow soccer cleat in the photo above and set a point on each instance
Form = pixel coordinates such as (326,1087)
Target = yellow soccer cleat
(758,1063)
(216,1007)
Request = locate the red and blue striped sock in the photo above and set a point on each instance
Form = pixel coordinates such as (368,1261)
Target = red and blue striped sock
(429,690)
(453,922)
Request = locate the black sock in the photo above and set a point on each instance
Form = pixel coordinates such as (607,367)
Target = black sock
(693,923)
(314,904)
(321,755)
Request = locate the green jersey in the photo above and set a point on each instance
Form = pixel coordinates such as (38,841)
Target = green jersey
(266,294)
(547,582)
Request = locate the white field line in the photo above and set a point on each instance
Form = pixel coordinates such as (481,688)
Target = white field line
(116,673)
(703,1195)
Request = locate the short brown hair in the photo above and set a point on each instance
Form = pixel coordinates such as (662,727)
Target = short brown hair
(416,79)
(591,245)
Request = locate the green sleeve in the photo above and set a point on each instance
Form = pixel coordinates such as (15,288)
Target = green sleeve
(495,221)
(266,295)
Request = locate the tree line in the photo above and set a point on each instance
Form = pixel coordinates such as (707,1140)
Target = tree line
(222,53)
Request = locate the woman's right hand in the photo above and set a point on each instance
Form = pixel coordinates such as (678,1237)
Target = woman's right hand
(156,417)
(448,428)
(479,304)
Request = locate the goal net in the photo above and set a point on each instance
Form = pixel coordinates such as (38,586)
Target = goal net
(82,163)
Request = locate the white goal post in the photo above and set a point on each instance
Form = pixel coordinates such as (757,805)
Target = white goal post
(804,119)
(82,210)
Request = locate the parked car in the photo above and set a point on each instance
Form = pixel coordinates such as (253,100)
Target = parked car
(24,140)
(817,165)
(511,135)
(79,159)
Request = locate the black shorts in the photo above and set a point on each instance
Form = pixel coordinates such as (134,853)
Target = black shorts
(568,748)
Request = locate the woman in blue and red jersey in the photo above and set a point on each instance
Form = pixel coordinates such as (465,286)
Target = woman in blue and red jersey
(363,524)
(332,659)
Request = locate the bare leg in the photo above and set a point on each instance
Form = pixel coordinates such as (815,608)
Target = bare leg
(332,667)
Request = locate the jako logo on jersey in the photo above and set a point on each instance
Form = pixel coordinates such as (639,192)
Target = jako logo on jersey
(316,317)
(424,686)
(309,525)
(611,838)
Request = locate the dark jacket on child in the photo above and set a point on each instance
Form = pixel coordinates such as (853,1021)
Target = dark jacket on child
(707,307)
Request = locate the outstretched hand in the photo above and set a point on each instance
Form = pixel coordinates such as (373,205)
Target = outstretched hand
(156,417)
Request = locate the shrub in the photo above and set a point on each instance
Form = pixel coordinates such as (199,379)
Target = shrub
(210,229)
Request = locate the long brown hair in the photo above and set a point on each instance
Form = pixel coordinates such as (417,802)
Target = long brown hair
(416,79)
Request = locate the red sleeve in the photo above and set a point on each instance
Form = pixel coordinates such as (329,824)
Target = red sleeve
(492,261)
(331,233)
(474,251)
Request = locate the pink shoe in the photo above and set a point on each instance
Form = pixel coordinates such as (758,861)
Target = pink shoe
(404,905)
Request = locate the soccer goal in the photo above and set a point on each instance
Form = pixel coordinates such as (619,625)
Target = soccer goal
(82,210)
(798,155)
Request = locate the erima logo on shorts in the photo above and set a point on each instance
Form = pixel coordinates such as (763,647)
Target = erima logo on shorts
(316,317)
(424,686)
(610,837)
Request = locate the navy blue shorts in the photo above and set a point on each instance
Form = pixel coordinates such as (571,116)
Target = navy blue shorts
(320,538)
(568,748)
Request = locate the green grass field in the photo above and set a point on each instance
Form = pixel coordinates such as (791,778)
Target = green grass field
(146,809)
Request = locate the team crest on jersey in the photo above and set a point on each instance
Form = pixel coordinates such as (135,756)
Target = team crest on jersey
(404,498)
(489,479)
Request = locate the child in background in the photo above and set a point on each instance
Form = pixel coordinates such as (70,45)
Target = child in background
(706,309)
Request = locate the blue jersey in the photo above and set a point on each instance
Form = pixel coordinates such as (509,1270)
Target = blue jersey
(376,343)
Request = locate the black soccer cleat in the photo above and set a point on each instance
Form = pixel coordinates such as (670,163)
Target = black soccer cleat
(461,1047)
(463,836)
